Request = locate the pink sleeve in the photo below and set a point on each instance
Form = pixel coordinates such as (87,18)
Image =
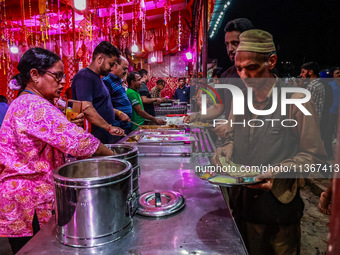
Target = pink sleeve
(47,123)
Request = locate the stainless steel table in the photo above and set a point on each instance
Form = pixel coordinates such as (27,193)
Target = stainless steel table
(204,226)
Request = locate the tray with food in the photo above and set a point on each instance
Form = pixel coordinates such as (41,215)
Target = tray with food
(200,124)
(133,139)
(229,181)
(233,174)
(160,127)
(183,138)
(160,132)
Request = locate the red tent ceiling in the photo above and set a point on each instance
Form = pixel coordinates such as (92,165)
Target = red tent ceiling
(154,11)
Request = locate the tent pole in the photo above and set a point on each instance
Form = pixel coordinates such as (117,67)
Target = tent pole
(205,39)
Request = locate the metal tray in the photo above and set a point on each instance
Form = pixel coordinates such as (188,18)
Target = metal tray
(167,138)
(229,181)
(159,132)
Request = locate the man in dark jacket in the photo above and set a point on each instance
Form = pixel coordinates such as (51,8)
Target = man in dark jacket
(268,214)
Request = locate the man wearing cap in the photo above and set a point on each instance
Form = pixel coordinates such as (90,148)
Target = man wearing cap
(268,214)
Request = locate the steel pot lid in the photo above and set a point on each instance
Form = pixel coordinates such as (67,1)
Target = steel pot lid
(159,203)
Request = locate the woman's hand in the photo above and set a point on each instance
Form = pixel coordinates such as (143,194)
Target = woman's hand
(78,120)
(115,131)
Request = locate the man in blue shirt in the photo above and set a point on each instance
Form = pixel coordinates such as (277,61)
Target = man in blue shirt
(182,92)
(119,98)
(3,108)
(87,85)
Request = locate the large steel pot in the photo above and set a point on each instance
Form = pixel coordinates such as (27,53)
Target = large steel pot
(128,153)
(93,201)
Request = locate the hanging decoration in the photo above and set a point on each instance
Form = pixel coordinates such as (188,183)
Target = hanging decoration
(116,16)
(23,26)
(30,18)
(48,24)
(167,18)
(155,2)
(142,17)
(44,25)
(179,30)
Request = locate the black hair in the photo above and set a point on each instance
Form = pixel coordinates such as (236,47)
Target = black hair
(131,77)
(37,58)
(142,72)
(105,48)
(240,25)
(160,82)
(314,66)
(3,99)
(181,79)
(217,72)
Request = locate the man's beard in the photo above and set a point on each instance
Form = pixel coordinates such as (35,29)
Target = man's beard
(103,72)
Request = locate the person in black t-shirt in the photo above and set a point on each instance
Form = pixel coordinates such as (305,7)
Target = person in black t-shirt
(87,85)
(145,94)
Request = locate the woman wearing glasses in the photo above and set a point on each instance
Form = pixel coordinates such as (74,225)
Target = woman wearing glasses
(33,139)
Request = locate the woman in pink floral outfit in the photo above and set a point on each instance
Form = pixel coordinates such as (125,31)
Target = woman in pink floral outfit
(33,139)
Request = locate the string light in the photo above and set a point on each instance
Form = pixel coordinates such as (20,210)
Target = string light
(179,30)
(218,12)
(14,49)
(80,4)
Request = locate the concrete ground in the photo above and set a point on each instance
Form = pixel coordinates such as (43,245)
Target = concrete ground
(314,224)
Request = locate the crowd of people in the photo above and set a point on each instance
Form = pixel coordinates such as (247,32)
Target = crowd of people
(36,135)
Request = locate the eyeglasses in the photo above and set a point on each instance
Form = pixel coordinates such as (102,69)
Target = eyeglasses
(57,76)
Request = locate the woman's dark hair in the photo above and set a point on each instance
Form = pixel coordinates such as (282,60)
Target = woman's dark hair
(37,58)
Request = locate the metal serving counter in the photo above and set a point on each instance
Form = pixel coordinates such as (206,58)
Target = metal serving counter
(204,226)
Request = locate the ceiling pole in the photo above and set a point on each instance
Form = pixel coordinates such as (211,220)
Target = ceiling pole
(205,39)
(197,33)
(74,39)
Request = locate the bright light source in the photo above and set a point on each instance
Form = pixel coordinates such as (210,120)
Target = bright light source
(221,13)
(80,4)
(228,3)
(153,59)
(214,28)
(188,55)
(225,6)
(134,48)
(14,49)
(142,4)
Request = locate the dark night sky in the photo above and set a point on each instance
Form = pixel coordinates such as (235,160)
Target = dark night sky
(303,30)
